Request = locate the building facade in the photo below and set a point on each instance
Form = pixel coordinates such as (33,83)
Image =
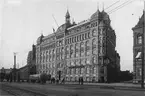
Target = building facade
(137,50)
(31,58)
(86,49)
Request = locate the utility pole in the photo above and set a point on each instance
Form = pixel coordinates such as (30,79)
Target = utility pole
(14,69)
(15,60)
(142,77)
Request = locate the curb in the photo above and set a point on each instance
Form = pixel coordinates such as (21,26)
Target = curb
(108,87)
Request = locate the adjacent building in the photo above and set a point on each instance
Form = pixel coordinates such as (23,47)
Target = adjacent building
(31,58)
(137,49)
(86,49)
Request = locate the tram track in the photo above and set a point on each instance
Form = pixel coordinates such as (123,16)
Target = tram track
(16,91)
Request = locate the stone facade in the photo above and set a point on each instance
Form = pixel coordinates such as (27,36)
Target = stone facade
(137,49)
(86,49)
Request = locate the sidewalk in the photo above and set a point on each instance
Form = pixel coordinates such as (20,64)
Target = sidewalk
(117,86)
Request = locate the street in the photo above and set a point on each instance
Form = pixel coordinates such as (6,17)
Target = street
(80,90)
(4,93)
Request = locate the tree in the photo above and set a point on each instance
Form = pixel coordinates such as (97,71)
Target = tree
(43,78)
(48,77)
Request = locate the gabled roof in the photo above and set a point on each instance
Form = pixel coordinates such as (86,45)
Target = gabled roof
(140,22)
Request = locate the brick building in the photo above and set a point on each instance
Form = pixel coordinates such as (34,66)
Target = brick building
(137,49)
(86,49)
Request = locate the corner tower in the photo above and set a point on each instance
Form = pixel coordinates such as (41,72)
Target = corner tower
(67,17)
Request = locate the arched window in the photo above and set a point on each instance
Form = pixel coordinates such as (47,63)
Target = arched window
(87,43)
(94,42)
(139,39)
(94,32)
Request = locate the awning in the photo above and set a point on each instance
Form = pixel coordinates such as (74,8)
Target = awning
(138,56)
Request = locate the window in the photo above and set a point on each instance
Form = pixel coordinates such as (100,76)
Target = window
(57,43)
(82,70)
(94,32)
(70,40)
(71,51)
(94,51)
(46,56)
(88,35)
(73,40)
(68,63)
(88,70)
(139,39)
(50,58)
(67,41)
(72,71)
(83,37)
(94,60)
(77,38)
(76,70)
(87,48)
(139,72)
(94,42)
(82,49)
(138,55)
(62,53)
(68,71)
(87,61)
(80,37)
(77,50)
(67,52)
(72,63)
(77,62)
(94,70)
(43,57)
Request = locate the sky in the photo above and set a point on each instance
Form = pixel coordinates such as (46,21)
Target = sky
(23,21)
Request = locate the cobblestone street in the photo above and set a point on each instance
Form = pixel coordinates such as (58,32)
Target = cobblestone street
(81,90)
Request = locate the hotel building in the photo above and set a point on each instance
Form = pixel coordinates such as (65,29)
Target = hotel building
(86,49)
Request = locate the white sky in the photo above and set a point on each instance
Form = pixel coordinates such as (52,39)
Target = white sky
(21,23)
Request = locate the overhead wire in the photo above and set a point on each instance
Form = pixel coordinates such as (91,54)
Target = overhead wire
(117,8)
(120,6)
(112,5)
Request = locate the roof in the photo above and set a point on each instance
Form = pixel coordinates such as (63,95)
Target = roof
(61,28)
(96,14)
(140,22)
(100,15)
(81,23)
(67,14)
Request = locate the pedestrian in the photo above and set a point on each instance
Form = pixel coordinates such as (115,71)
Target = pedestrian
(57,81)
(63,81)
(93,80)
(79,80)
(82,81)
(54,80)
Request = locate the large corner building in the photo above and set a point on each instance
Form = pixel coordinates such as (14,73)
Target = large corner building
(137,50)
(86,49)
